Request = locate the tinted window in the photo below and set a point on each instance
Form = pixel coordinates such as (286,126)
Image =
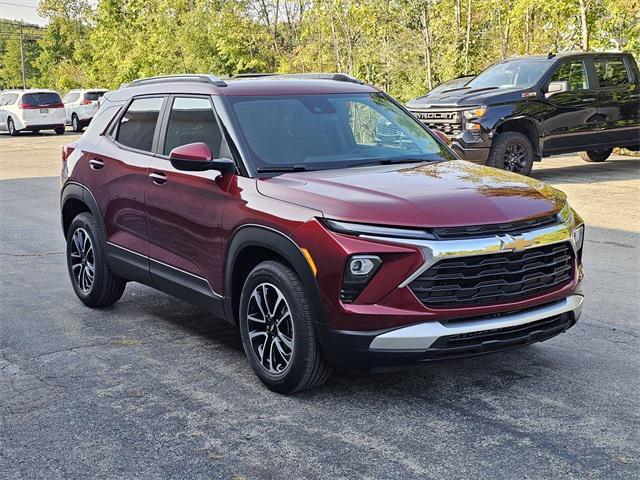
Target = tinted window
(331,131)
(574,73)
(138,124)
(11,98)
(192,120)
(611,72)
(93,96)
(71,97)
(42,98)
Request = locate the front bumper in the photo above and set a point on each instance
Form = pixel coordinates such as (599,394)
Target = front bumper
(429,341)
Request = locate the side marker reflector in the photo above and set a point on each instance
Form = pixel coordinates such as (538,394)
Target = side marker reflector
(310,261)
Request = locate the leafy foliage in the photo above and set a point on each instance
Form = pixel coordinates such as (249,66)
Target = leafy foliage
(404,46)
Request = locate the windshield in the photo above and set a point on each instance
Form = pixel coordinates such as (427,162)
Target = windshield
(510,73)
(331,131)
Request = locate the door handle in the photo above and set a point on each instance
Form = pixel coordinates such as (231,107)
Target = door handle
(158,178)
(96,164)
(587,100)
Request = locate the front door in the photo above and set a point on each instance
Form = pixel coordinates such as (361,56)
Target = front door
(573,116)
(184,209)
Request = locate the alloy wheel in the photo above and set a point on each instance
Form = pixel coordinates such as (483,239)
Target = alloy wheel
(515,157)
(74,123)
(11,127)
(83,263)
(270,327)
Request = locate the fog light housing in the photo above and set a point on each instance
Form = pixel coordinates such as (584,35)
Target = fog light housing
(473,127)
(359,270)
(578,237)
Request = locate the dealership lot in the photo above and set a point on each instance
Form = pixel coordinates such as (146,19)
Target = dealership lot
(154,387)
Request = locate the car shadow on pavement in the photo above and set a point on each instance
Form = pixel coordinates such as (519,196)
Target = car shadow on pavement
(614,170)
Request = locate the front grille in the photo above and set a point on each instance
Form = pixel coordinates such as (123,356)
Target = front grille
(495,278)
(486,341)
(512,228)
(448,122)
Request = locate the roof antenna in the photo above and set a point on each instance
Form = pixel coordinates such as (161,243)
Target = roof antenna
(551,55)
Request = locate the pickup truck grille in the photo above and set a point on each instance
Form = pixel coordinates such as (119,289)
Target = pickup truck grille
(494,278)
(448,122)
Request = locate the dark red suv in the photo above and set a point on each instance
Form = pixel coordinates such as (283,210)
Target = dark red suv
(319,216)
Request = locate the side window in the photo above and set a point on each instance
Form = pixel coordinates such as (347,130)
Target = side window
(574,73)
(138,124)
(70,97)
(3,99)
(192,120)
(611,72)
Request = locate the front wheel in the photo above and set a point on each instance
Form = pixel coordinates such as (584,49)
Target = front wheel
(278,331)
(596,155)
(90,275)
(512,151)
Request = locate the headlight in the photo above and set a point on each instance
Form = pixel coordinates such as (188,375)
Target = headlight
(578,237)
(475,112)
(377,231)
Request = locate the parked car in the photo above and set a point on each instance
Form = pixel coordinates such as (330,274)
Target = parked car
(80,106)
(525,108)
(32,110)
(270,202)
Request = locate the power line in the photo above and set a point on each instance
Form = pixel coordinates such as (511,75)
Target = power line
(18,5)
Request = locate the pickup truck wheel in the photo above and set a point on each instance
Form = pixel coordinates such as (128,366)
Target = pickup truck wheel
(596,155)
(278,331)
(511,151)
(90,275)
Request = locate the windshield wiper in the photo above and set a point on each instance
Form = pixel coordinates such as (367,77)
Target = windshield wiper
(390,161)
(282,168)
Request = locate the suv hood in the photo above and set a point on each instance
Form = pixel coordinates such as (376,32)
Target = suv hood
(452,193)
(464,97)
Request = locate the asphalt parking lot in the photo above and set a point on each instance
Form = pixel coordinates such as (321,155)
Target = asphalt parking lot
(156,388)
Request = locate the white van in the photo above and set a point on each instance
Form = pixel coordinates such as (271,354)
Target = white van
(34,110)
(81,105)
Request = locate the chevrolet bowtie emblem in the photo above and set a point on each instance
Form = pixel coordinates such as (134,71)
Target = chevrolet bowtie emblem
(516,244)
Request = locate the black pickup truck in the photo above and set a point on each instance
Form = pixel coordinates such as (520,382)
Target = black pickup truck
(525,108)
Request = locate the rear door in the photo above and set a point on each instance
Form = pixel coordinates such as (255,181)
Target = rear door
(573,116)
(184,209)
(619,100)
(116,174)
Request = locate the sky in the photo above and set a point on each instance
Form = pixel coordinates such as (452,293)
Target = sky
(25,10)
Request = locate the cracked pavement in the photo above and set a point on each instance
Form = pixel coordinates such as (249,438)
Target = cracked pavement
(155,388)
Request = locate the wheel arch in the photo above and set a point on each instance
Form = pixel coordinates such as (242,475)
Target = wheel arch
(74,199)
(253,244)
(528,127)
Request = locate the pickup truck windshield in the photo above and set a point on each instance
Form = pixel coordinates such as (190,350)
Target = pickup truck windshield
(510,73)
(319,131)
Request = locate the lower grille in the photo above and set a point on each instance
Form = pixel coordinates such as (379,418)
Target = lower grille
(476,343)
(495,278)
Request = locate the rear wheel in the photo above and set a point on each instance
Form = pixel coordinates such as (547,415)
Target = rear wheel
(11,126)
(596,155)
(75,123)
(90,275)
(511,151)
(59,130)
(278,332)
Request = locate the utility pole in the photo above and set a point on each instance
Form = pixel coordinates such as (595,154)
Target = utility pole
(24,81)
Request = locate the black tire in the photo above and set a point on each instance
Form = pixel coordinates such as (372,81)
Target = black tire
(105,288)
(11,127)
(511,151)
(75,123)
(59,130)
(36,130)
(306,368)
(596,155)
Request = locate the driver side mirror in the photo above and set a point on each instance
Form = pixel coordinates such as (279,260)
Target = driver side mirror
(197,157)
(557,87)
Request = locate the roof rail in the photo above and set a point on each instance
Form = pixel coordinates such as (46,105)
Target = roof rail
(187,77)
(339,77)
